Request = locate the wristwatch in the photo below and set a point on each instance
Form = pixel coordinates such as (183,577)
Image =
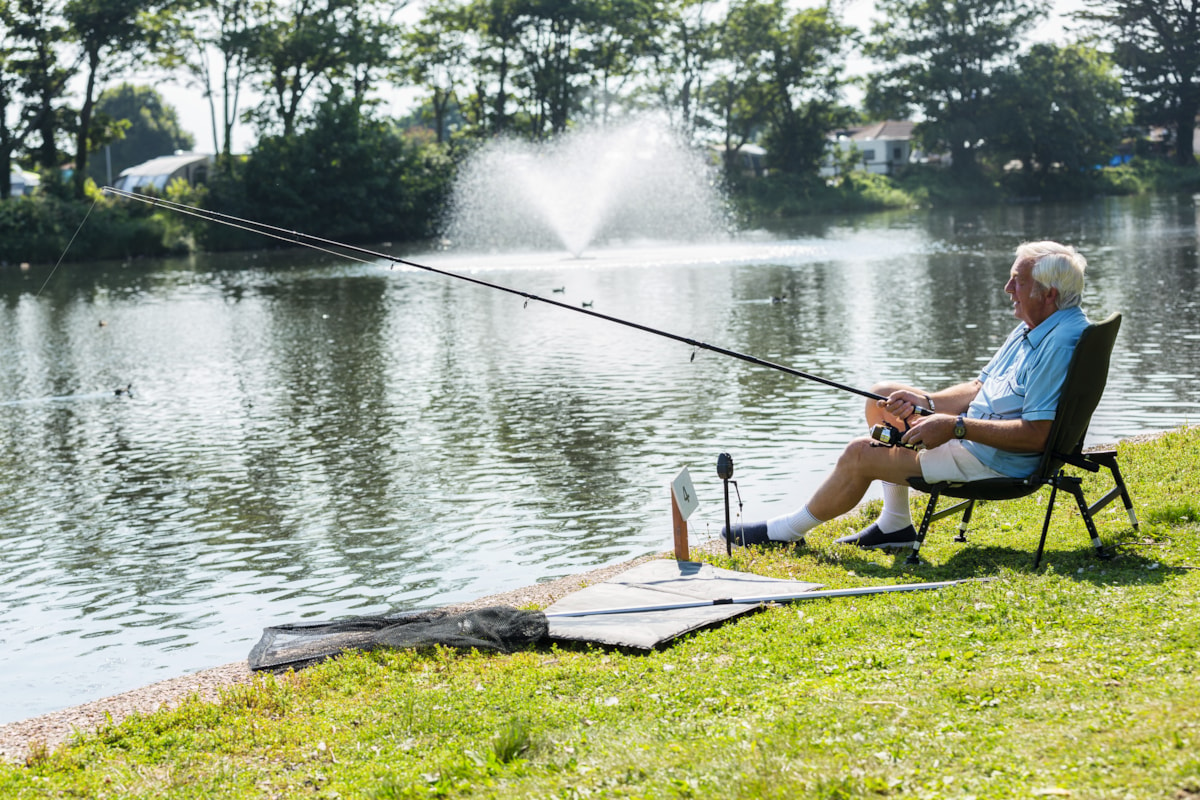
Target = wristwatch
(929,403)
(960,428)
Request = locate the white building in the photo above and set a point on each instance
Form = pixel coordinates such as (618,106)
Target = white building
(23,182)
(158,172)
(882,147)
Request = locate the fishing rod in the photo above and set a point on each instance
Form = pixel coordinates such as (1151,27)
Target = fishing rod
(767,598)
(353,252)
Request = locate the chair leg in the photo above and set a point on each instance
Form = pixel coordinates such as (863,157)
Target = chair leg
(1108,459)
(1037,559)
(1075,487)
(965,521)
(926,521)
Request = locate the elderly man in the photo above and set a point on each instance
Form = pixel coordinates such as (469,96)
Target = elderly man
(993,426)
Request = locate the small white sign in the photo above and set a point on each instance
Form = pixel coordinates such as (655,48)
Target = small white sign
(685,493)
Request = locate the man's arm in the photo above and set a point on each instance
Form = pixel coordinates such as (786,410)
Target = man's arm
(902,404)
(1013,435)
(956,399)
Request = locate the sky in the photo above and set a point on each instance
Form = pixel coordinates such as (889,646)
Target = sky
(194,116)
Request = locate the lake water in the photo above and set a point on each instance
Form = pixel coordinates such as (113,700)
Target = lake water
(309,438)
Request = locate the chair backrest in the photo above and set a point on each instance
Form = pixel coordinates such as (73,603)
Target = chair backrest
(1087,376)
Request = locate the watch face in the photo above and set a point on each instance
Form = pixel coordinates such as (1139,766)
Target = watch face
(960,429)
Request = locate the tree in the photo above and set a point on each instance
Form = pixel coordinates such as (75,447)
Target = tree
(367,41)
(737,91)
(553,73)
(535,63)
(292,47)
(152,128)
(36,29)
(347,175)
(802,70)
(435,57)
(683,45)
(499,24)
(1157,46)
(9,130)
(210,44)
(109,37)
(618,39)
(942,56)
(1059,107)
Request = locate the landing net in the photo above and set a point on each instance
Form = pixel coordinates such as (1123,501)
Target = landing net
(497,628)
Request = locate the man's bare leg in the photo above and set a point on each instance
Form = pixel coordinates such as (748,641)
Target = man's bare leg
(895,514)
(863,461)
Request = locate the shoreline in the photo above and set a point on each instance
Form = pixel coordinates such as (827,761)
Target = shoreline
(53,729)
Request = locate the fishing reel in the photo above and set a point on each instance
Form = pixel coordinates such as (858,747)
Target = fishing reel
(889,436)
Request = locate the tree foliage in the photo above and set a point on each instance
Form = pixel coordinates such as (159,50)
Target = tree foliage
(110,38)
(943,57)
(1157,43)
(293,45)
(801,78)
(348,175)
(1058,108)
(35,72)
(434,57)
(209,45)
(151,129)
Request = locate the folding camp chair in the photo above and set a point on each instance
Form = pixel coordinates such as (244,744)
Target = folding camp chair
(1086,377)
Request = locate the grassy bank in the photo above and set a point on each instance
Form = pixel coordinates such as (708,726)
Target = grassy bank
(1076,680)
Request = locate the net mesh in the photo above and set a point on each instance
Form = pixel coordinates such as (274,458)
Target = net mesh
(497,628)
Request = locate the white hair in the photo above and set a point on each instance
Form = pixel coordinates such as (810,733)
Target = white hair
(1056,266)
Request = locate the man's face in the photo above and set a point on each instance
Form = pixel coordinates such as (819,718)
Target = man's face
(1031,304)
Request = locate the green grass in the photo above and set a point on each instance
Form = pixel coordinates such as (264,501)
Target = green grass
(1077,680)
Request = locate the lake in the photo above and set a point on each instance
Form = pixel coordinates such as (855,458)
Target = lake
(309,438)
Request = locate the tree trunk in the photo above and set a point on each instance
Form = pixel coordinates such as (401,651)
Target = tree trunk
(1185,133)
(6,148)
(5,174)
(79,176)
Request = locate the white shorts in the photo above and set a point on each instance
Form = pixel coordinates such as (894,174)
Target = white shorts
(952,462)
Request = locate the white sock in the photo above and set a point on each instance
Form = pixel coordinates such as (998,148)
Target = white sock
(792,527)
(895,515)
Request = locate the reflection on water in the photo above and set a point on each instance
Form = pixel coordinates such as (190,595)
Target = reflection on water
(308,438)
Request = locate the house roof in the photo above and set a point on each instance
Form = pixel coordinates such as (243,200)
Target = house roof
(165,165)
(889,129)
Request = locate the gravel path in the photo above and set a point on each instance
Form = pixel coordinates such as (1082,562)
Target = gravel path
(53,729)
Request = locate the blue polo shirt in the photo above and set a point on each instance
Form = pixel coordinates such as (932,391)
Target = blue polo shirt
(1023,381)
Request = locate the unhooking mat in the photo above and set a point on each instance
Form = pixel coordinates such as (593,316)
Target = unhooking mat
(661,582)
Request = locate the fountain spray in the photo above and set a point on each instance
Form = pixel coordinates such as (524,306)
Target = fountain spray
(633,181)
(365,256)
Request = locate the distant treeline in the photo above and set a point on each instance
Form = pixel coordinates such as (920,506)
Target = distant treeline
(1012,119)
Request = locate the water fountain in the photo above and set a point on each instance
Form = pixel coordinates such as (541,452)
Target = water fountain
(627,183)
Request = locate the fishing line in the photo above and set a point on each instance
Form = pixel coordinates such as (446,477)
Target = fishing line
(68,247)
(365,256)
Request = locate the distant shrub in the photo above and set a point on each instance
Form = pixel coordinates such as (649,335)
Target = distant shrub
(1122,180)
(38,229)
(787,196)
(940,187)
